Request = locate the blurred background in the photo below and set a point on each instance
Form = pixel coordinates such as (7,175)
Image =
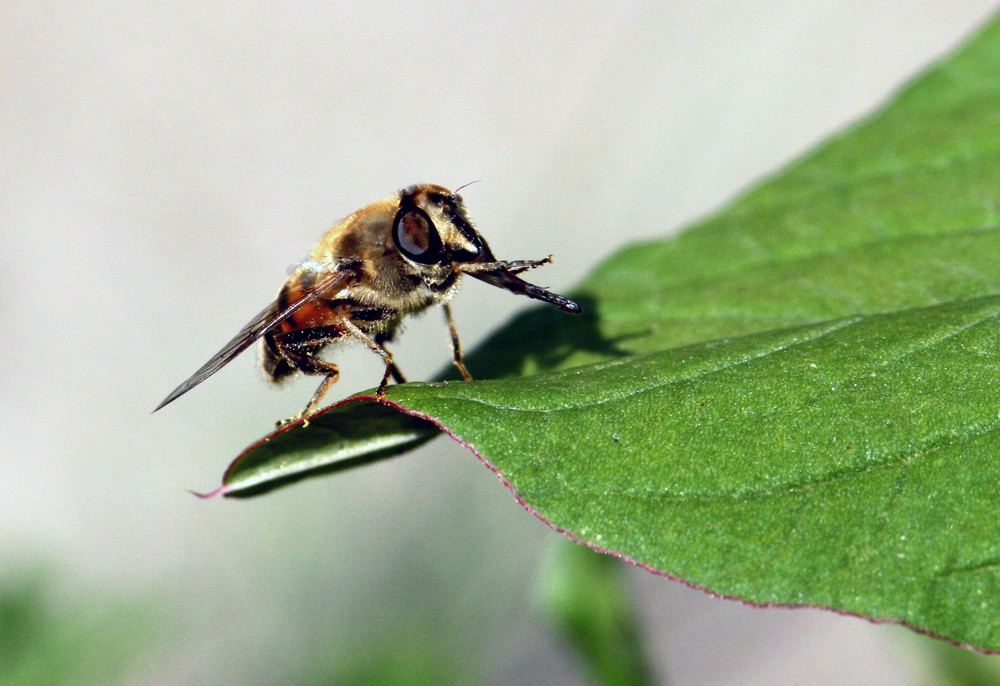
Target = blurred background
(163,163)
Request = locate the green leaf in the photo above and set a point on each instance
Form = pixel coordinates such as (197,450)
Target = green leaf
(346,435)
(848,464)
(794,402)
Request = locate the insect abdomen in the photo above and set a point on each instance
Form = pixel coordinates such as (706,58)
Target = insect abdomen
(275,367)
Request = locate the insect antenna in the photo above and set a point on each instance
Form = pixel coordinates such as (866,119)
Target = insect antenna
(465,185)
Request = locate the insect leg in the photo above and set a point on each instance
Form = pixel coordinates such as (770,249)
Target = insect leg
(390,368)
(456,344)
(299,349)
(397,375)
(514,266)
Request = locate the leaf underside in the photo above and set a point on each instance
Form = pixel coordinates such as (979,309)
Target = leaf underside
(794,402)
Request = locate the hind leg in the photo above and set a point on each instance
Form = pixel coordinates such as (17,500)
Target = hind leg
(300,351)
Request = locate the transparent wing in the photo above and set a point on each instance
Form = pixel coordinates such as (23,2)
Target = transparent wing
(269,318)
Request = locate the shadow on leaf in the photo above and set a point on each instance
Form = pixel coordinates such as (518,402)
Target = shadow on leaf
(539,340)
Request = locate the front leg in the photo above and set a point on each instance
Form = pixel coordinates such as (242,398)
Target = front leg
(514,266)
(456,344)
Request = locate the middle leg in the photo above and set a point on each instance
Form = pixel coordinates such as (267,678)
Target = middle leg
(376,347)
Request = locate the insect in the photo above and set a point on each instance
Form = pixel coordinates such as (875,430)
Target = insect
(394,257)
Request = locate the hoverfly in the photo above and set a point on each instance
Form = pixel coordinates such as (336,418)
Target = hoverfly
(395,257)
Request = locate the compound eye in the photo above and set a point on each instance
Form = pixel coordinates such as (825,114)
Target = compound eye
(416,237)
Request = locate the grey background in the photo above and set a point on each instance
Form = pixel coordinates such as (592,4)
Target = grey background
(161,166)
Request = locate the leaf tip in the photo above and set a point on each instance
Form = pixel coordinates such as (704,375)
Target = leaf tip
(221,490)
